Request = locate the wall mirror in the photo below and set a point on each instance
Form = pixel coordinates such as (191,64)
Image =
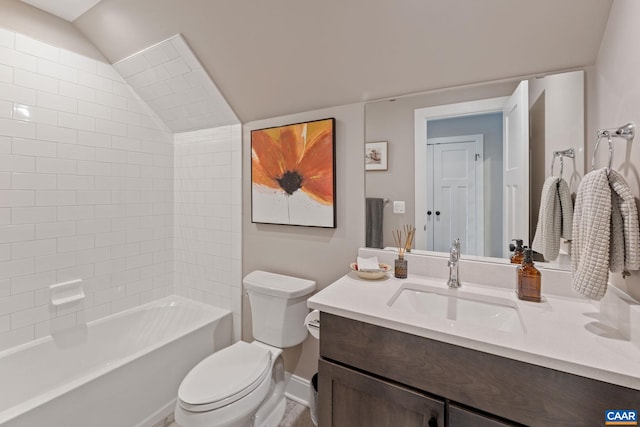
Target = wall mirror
(470,162)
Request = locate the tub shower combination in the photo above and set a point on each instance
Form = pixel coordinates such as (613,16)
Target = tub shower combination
(122,370)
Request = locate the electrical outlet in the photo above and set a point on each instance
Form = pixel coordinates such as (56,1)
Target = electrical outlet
(398,206)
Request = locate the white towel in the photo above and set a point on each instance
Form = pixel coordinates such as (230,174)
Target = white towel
(625,231)
(368,264)
(566,205)
(591,235)
(616,247)
(555,218)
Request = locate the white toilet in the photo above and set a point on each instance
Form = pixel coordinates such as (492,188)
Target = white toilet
(243,385)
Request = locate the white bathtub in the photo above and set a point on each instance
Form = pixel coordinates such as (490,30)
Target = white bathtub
(120,371)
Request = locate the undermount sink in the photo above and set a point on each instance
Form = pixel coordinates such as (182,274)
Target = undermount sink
(459,307)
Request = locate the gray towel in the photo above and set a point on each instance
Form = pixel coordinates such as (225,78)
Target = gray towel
(591,235)
(374,214)
(625,233)
(555,219)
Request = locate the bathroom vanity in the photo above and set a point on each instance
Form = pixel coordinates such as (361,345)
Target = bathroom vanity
(414,353)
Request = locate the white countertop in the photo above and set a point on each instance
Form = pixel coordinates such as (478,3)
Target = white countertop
(562,333)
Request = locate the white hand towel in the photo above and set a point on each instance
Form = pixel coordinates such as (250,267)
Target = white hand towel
(591,235)
(368,264)
(555,218)
(625,230)
(566,206)
(547,238)
(616,247)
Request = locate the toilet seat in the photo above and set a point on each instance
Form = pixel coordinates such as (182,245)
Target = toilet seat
(225,377)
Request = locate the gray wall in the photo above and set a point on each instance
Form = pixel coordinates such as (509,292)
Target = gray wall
(617,102)
(556,123)
(489,125)
(320,254)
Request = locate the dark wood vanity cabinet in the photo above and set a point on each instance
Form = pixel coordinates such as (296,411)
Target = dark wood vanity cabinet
(374,376)
(461,417)
(357,399)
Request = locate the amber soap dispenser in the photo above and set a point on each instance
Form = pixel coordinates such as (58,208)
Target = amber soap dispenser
(529,279)
(518,252)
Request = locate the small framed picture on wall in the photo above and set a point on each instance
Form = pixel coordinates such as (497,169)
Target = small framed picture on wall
(375,156)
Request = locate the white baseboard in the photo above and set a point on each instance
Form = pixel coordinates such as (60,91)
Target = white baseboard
(161,417)
(297,389)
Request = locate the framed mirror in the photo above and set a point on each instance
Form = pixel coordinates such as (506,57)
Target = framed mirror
(470,162)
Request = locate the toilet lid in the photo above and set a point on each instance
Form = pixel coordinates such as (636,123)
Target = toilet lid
(224,377)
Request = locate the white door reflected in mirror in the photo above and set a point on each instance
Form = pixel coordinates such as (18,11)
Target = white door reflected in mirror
(455,193)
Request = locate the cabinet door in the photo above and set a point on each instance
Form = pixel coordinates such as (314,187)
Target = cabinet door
(347,398)
(459,417)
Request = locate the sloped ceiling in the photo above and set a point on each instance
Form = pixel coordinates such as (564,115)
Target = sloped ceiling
(271,58)
(171,80)
(65,9)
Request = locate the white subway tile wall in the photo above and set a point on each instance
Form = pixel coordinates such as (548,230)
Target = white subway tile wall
(87,191)
(207,217)
(171,80)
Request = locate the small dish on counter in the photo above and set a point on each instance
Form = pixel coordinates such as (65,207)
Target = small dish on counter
(369,274)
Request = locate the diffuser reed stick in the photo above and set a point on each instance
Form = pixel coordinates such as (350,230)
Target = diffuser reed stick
(404,244)
(403,239)
(410,231)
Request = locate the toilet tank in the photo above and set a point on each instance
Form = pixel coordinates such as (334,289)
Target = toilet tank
(278,307)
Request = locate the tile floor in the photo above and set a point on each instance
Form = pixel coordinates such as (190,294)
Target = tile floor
(295,415)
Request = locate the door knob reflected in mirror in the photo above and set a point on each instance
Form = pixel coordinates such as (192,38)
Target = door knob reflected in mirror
(429,213)
(438,213)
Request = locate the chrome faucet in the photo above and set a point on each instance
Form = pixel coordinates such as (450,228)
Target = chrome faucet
(454,257)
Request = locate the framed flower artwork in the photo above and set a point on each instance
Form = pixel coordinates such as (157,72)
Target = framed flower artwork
(293,174)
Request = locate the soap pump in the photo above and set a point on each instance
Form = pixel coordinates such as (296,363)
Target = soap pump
(518,251)
(529,279)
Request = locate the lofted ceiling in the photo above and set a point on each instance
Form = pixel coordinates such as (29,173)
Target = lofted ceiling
(171,80)
(68,10)
(271,58)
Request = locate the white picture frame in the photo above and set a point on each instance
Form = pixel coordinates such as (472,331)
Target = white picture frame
(375,156)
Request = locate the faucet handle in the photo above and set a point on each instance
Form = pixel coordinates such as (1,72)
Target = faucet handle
(455,249)
(454,252)
(454,257)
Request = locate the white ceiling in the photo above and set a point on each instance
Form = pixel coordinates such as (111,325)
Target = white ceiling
(66,9)
(271,58)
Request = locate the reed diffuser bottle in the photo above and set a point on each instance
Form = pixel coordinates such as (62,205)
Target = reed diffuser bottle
(401,269)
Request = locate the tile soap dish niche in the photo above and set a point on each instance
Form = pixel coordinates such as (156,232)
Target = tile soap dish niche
(66,292)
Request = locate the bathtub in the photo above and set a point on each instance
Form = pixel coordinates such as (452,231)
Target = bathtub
(120,371)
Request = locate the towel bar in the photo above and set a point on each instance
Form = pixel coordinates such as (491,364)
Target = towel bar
(626,132)
(569,152)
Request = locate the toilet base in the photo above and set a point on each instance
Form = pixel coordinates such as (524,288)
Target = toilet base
(195,419)
(274,418)
(271,412)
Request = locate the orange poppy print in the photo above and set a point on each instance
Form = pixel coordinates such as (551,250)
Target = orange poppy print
(292,174)
(295,158)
